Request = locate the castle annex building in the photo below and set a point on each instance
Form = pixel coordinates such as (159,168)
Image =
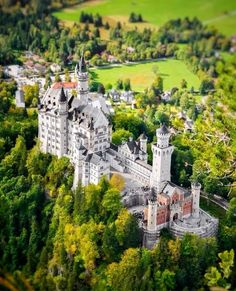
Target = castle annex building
(75,123)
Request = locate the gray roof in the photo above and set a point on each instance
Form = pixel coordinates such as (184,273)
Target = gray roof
(196,184)
(152,195)
(163,129)
(144,164)
(170,188)
(133,147)
(143,136)
(62,97)
(94,158)
(52,97)
(82,65)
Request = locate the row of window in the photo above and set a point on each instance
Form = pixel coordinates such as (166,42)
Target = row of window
(100,141)
(96,149)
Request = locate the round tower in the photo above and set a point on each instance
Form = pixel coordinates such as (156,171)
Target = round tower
(196,188)
(82,75)
(143,142)
(163,136)
(161,162)
(152,212)
(63,126)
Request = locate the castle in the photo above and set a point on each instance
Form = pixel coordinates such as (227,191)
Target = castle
(75,123)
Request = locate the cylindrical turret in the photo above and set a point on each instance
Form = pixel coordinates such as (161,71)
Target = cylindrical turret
(163,136)
(196,188)
(152,211)
(143,142)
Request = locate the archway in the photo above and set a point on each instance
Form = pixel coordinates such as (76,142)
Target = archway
(175,217)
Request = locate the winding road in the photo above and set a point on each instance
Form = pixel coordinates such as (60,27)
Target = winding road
(223,203)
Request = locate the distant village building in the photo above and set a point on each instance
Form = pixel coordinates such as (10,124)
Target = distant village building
(188,122)
(233,44)
(127,96)
(39,68)
(114,95)
(112,59)
(166,96)
(20,100)
(55,68)
(77,125)
(14,71)
(130,49)
(188,125)
(117,96)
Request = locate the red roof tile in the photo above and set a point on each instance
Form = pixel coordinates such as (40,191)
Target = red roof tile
(66,85)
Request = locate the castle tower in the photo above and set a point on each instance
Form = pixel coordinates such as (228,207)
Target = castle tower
(143,142)
(161,164)
(79,149)
(63,114)
(196,188)
(82,75)
(152,212)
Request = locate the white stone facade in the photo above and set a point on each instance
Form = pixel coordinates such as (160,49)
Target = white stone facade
(76,124)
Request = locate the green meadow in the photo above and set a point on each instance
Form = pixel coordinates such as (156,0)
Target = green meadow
(218,13)
(142,75)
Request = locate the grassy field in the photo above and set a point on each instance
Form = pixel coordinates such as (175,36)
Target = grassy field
(218,13)
(142,75)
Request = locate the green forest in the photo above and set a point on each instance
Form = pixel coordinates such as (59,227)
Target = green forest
(53,238)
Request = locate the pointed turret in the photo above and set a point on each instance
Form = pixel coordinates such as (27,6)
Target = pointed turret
(82,75)
(163,129)
(62,100)
(82,65)
(143,142)
(62,97)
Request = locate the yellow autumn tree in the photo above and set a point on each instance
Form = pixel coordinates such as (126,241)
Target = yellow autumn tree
(117,181)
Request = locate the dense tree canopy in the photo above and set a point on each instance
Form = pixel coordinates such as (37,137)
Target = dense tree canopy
(85,239)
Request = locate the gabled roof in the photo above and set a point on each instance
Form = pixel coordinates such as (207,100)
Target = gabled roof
(131,146)
(95,158)
(170,188)
(100,119)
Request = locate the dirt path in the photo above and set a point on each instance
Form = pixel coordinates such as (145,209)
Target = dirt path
(230,13)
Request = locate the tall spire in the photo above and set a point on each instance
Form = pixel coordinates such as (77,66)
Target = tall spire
(82,65)
(82,75)
(62,97)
